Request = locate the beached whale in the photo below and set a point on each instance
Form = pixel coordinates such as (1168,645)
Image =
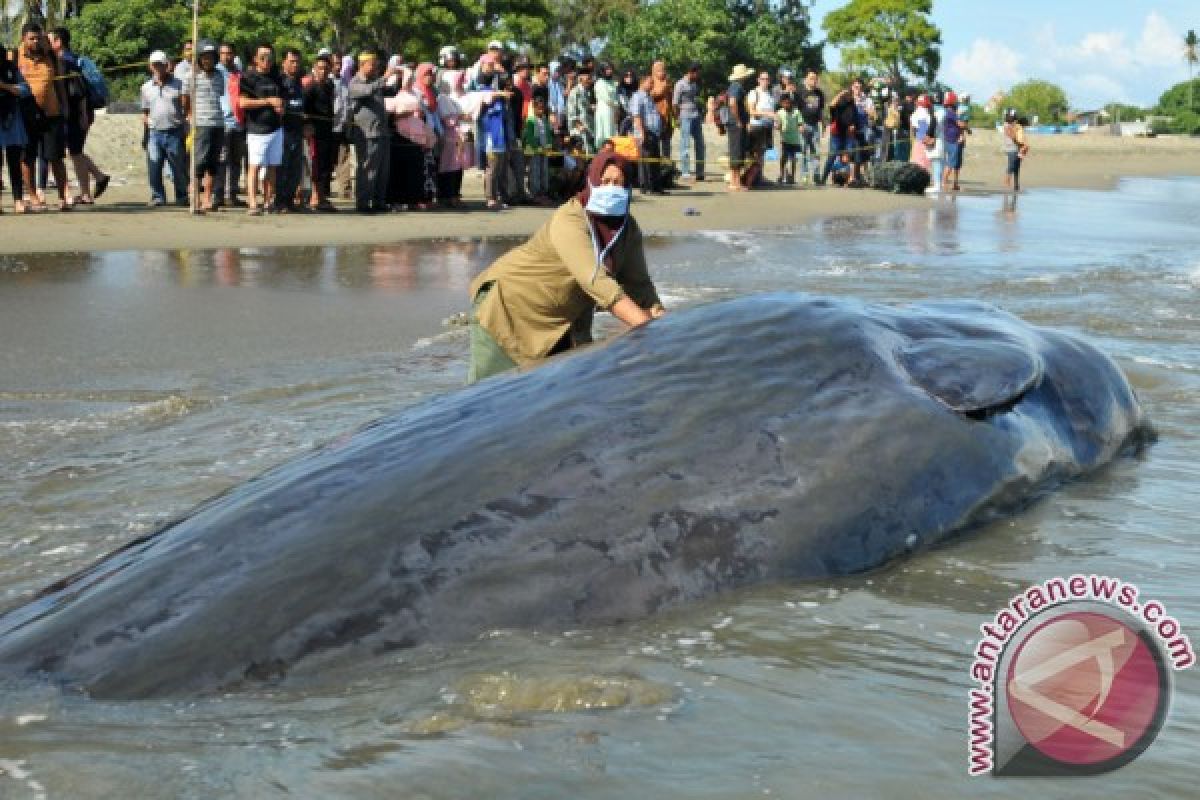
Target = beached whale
(768,437)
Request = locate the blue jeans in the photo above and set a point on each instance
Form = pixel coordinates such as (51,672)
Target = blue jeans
(167,147)
(838,144)
(691,129)
(809,139)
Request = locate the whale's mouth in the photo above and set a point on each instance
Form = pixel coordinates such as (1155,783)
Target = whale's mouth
(977,379)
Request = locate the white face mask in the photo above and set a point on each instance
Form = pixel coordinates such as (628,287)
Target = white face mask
(609,201)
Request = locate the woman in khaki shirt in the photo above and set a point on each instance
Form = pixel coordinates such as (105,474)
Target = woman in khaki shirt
(537,299)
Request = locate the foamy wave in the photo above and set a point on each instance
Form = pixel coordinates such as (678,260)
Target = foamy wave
(171,406)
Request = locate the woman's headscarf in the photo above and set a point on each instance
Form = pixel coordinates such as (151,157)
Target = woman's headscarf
(606,228)
(424,90)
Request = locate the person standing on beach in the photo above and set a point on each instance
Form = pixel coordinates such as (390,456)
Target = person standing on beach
(321,112)
(954,136)
(760,104)
(790,123)
(291,163)
(165,109)
(80,116)
(261,98)
(660,93)
(605,90)
(1015,150)
(228,181)
(581,121)
(208,122)
(919,127)
(44,128)
(647,130)
(691,122)
(739,120)
(372,143)
(13,89)
(538,299)
(811,105)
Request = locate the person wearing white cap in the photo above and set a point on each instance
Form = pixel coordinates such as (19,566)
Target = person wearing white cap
(165,107)
(739,119)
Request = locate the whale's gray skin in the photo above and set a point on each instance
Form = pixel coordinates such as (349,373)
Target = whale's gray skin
(769,437)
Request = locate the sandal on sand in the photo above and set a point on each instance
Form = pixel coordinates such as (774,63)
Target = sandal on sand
(101,186)
(63,205)
(254,212)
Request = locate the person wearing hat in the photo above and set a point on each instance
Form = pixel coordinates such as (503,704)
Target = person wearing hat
(208,122)
(955,135)
(538,299)
(739,120)
(165,109)
(691,122)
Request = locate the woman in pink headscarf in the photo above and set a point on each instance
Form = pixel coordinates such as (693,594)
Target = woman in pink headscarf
(458,149)
(410,179)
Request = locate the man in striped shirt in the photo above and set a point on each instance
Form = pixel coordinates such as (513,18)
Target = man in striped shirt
(208,121)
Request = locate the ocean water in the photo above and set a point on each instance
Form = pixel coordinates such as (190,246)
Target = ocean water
(135,385)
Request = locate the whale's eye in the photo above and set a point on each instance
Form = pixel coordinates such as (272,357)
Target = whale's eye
(976,378)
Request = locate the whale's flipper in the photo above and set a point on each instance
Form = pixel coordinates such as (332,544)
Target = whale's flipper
(975,378)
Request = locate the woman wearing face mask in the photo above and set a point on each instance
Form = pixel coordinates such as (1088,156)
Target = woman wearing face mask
(537,300)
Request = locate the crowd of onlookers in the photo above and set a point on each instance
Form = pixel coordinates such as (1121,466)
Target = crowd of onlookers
(285,133)
(45,112)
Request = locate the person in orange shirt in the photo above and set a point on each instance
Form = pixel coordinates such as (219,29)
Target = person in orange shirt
(46,127)
(660,93)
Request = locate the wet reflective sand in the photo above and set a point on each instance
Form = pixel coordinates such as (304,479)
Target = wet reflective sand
(134,385)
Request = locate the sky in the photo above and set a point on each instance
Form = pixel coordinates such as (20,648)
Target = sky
(1098,51)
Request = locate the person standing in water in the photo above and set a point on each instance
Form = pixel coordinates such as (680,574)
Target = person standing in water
(1015,150)
(537,300)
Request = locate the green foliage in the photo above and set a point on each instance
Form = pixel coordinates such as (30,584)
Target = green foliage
(982,119)
(1120,112)
(124,32)
(247,23)
(1181,105)
(1183,96)
(678,32)
(771,35)
(574,25)
(1039,98)
(893,38)
(715,33)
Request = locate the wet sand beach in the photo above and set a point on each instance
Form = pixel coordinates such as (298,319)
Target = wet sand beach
(121,220)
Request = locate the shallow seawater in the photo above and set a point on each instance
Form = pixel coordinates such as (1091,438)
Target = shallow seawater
(135,385)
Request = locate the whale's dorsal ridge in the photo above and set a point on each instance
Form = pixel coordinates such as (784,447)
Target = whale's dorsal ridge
(975,377)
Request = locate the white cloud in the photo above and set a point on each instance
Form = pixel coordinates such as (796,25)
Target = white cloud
(984,68)
(1098,67)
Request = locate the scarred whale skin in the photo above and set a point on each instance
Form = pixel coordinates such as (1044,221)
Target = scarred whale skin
(768,437)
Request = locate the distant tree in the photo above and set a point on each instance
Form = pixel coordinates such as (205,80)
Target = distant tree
(1191,54)
(122,33)
(893,38)
(715,33)
(1175,105)
(774,34)
(1039,98)
(1121,112)
(676,31)
(575,26)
